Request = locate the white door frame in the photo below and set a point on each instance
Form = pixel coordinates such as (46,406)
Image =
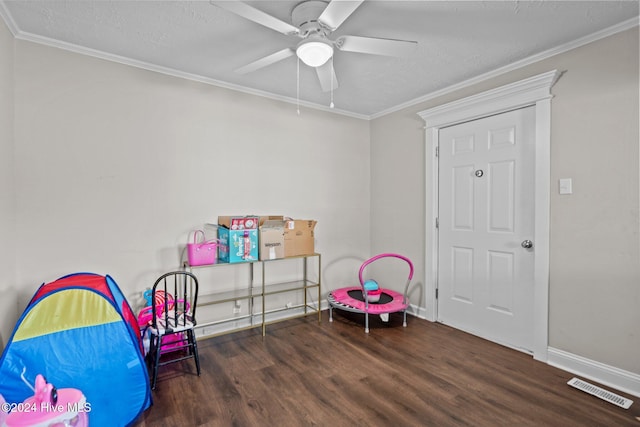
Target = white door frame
(532,91)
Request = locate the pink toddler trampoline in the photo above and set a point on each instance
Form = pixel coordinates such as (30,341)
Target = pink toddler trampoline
(356,299)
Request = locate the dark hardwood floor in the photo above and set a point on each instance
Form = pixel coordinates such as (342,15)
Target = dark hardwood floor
(305,373)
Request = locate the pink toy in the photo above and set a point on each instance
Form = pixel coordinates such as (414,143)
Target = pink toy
(369,298)
(49,407)
(145,318)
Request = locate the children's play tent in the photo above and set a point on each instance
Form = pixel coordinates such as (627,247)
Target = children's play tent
(80,332)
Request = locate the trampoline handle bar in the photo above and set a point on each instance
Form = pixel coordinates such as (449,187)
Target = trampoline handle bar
(385,255)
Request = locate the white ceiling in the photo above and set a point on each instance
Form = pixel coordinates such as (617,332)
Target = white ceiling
(457,41)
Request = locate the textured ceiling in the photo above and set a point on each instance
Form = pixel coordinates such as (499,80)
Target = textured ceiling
(457,41)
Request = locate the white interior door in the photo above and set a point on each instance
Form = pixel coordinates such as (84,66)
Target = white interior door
(486,221)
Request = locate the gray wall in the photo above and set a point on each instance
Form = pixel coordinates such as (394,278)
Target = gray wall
(594,245)
(115,165)
(8,302)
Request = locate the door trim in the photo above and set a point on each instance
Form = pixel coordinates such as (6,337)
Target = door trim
(535,91)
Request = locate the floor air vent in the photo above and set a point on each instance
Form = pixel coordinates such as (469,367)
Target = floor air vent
(601,393)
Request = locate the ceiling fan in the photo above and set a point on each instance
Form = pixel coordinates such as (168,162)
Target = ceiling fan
(313,21)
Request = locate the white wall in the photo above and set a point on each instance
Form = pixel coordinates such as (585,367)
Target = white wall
(115,165)
(8,302)
(595,233)
(595,261)
(398,197)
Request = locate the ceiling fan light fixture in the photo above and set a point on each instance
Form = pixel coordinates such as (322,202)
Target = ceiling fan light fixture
(314,52)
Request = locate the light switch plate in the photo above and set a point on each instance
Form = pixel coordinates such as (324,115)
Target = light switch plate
(565,186)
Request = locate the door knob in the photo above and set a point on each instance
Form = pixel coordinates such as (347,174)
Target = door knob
(527,244)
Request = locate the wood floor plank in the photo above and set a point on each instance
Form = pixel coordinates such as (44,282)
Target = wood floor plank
(305,373)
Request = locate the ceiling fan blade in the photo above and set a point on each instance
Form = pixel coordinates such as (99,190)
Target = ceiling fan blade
(267,60)
(337,12)
(375,46)
(257,16)
(325,74)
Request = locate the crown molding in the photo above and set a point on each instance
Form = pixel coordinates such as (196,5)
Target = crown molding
(21,35)
(8,19)
(623,26)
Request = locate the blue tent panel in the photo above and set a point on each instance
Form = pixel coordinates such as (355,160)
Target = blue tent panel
(78,338)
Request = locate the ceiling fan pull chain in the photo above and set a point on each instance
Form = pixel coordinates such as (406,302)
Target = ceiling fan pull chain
(298,86)
(332,74)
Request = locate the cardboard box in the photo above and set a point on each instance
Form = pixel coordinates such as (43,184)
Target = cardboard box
(238,237)
(238,222)
(270,218)
(271,239)
(299,237)
(237,245)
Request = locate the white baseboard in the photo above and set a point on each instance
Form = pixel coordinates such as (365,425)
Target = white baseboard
(619,379)
(417,311)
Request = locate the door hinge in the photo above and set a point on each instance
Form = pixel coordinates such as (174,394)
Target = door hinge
(437,150)
(436,293)
(437,223)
